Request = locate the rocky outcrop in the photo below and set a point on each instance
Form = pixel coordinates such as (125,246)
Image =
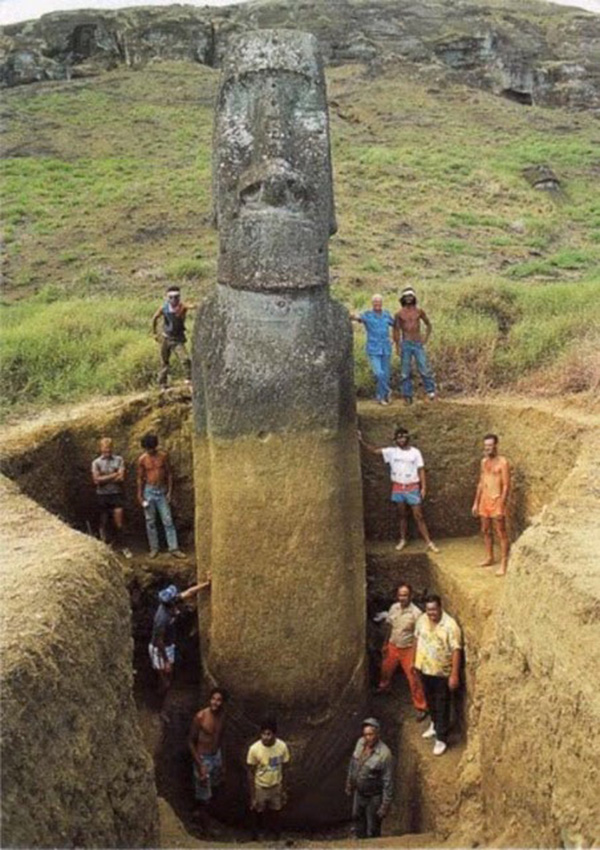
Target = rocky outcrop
(530,52)
(74,769)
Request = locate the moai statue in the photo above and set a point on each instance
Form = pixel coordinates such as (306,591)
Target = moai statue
(277,477)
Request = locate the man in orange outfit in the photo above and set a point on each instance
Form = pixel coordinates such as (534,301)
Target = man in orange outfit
(490,501)
(399,650)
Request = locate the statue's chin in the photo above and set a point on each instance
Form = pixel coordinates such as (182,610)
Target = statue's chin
(273,250)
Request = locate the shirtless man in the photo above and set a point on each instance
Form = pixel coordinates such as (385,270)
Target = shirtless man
(204,742)
(410,343)
(154,491)
(490,501)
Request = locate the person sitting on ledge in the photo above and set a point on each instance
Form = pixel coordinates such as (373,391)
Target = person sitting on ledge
(399,649)
(161,648)
(154,491)
(377,324)
(490,501)
(437,660)
(409,484)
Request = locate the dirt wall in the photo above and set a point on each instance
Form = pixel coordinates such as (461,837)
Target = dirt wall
(51,460)
(74,769)
(450,435)
(535,738)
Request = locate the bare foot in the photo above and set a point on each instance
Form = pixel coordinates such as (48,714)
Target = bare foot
(486,563)
(501,571)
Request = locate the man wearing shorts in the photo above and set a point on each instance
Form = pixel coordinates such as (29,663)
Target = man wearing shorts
(490,502)
(266,762)
(204,742)
(161,648)
(409,484)
(108,474)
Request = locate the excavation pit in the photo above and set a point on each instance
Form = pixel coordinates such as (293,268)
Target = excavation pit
(509,656)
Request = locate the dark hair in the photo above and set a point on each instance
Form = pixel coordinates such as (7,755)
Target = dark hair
(433,598)
(400,432)
(173,289)
(149,441)
(493,437)
(221,691)
(404,584)
(270,724)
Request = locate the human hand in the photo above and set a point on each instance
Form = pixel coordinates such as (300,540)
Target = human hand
(453,682)
(348,791)
(423,493)
(474,510)
(382,811)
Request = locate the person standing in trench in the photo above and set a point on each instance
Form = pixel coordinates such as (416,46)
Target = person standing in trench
(204,742)
(370,780)
(409,483)
(154,492)
(108,475)
(490,503)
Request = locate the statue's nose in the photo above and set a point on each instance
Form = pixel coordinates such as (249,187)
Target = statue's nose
(275,190)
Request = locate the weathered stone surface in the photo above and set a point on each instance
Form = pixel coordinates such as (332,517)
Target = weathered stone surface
(74,769)
(532,52)
(277,476)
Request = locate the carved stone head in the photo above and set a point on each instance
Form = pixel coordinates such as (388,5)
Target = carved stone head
(272,183)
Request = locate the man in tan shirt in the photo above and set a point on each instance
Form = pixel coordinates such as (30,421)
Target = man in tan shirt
(399,649)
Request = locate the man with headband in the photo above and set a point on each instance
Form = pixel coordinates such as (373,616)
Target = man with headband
(410,343)
(377,324)
(173,338)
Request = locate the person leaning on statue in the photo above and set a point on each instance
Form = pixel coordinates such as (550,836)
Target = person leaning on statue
(370,780)
(377,323)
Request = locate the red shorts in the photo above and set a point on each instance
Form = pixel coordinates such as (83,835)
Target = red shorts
(491,508)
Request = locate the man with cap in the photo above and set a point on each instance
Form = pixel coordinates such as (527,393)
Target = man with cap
(162,643)
(377,324)
(410,343)
(173,339)
(370,780)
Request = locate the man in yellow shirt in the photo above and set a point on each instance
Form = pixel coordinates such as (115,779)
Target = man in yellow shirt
(437,659)
(266,763)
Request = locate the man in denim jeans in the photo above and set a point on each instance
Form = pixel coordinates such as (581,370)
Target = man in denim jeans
(154,489)
(377,324)
(410,343)
(370,780)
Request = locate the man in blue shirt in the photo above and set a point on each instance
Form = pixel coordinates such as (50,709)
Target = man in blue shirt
(377,324)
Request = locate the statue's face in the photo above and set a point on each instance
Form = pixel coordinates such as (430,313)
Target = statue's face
(272,171)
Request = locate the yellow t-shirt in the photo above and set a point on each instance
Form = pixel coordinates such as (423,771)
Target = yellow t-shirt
(435,644)
(268,762)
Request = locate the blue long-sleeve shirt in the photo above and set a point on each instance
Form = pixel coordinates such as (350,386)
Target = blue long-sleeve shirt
(377,326)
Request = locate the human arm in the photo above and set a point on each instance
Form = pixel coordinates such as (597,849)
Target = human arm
(422,481)
(428,326)
(193,741)
(373,449)
(155,319)
(388,786)
(251,765)
(397,331)
(454,679)
(475,508)
(99,478)
(355,317)
(140,479)
(169,476)
(194,590)
(504,484)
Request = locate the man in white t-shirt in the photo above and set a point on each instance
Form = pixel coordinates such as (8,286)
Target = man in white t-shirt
(409,484)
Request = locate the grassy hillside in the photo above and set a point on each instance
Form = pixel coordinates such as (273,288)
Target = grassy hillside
(106,199)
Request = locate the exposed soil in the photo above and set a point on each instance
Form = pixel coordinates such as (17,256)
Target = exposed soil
(519,632)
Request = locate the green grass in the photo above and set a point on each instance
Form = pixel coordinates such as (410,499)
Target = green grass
(106,199)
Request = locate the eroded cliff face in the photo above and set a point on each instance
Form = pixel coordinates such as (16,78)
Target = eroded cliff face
(74,768)
(530,52)
(535,730)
